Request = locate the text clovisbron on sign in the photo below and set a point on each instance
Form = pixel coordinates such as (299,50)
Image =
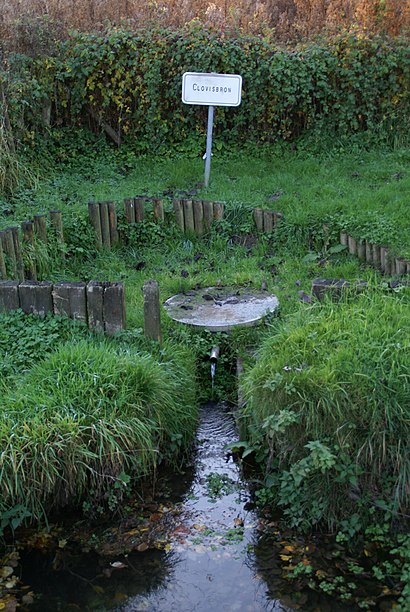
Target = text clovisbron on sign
(210,89)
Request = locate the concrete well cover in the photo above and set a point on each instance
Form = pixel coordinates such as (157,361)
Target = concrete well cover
(221,308)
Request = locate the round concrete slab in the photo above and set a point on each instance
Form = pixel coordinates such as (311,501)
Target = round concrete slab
(221,308)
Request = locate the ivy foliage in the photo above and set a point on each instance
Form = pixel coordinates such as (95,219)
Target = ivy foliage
(132,82)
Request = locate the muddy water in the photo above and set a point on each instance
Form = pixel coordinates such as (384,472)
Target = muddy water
(213,559)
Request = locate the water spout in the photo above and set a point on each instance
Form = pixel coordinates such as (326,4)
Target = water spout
(214,356)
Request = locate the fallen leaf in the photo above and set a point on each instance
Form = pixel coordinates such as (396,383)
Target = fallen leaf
(142,547)
(118,564)
(133,532)
(285,557)
(289,548)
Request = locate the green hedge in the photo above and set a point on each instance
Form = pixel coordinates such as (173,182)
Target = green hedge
(133,80)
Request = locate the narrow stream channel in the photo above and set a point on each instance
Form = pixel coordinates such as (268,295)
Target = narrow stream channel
(212,568)
(208,563)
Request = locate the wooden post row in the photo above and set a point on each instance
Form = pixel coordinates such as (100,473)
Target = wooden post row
(103,218)
(101,304)
(197,216)
(375,255)
(134,209)
(266,220)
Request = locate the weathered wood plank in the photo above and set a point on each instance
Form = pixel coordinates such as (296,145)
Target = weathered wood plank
(152,310)
(198,217)
(188,216)
(257,214)
(114,308)
(9,296)
(95,305)
(179,213)
(36,297)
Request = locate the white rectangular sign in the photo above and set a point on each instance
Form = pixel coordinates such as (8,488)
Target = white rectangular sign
(211,89)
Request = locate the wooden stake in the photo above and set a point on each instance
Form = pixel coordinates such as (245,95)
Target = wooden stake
(152,311)
(95,218)
(35,297)
(95,301)
(218,211)
(19,255)
(105,225)
(129,209)
(139,204)
(8,247)
(112,216)
(344,238)
(208,208)
(114,308)
(257,214)
(40,227)
(158,210)
(385,261)
(361,250)
(369,252)
(188,216)
(267,221)
(9,296)
(179,213)
(401,266)
(28,239)
(3,270)
(352,244)
(198,217)
(376,256)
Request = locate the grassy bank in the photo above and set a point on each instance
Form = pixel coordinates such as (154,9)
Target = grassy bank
(328,399)
(363,191)
(89,418)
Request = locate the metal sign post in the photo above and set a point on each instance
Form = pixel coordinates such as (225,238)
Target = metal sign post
(211,89)
(208,153)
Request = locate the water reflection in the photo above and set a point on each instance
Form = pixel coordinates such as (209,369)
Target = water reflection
(208,565)
(212,569)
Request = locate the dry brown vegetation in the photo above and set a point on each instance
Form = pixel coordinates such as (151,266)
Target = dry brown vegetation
(288,20)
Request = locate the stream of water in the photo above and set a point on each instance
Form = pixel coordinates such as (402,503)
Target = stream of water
(213,560)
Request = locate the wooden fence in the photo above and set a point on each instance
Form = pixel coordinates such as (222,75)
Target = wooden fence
(375,255)
(266,220)
(17,245)
(99,304)
(192,216)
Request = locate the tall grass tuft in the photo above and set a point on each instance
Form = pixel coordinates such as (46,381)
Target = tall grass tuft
(329,397)
(87,414)
(13,171)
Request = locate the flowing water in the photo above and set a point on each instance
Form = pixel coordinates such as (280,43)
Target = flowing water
(213,559)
